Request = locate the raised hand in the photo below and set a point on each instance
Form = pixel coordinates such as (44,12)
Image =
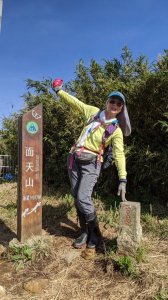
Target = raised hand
(57,84)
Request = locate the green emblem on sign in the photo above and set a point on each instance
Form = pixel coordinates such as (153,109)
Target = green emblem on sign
(32,127)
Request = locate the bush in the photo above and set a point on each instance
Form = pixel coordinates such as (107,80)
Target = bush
(146,91)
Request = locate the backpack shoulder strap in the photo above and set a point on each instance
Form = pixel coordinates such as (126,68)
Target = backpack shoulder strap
(109,131)
(93,118)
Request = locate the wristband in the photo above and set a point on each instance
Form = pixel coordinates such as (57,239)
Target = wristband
(123,180)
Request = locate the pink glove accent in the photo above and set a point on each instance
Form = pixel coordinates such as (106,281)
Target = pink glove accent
(57,84)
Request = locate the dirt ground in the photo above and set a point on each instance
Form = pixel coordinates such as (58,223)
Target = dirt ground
(68,275)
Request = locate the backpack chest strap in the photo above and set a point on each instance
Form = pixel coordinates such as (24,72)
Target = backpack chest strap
(109,130)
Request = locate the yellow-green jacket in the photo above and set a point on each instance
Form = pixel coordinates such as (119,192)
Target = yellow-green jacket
(94,140)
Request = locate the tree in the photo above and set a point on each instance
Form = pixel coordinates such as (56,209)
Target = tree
(146,89)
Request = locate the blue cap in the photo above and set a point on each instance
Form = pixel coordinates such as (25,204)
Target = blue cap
(118,95)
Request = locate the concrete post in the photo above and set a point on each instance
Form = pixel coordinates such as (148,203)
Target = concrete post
(130,230)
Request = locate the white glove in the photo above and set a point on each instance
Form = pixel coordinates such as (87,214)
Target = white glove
(57,84)
(122,190)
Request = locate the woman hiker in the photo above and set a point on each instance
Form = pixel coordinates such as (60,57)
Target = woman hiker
(85,159)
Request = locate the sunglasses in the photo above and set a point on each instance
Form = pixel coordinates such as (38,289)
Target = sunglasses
(118,103)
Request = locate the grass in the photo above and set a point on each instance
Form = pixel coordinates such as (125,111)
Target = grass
(141,254)
(161,295)
(126,265)
(154,225)
(120,263)
(109,276)
(110,218)
(23,253)
(38,248)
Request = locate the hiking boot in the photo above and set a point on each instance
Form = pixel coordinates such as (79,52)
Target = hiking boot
(94,234)
(80,242)
(89,253)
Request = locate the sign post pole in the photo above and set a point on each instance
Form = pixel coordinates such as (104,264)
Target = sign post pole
(29,215)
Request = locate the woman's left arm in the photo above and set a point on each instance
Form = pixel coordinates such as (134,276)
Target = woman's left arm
(119,156)
(118,153)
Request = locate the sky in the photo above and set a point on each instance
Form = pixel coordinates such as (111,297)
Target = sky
(47,38)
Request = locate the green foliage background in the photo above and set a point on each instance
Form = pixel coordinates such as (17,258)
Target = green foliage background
(146,89)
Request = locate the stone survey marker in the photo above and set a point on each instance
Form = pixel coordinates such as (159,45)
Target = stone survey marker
(130,230)
(30,174)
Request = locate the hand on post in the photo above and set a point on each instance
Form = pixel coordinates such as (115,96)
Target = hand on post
(122,190)
(57,84)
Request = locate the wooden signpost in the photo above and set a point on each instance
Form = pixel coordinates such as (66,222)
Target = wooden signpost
(29,219)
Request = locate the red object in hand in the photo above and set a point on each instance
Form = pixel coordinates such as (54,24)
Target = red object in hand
(57,83)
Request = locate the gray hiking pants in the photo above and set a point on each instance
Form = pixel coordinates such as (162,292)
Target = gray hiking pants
(83,177)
